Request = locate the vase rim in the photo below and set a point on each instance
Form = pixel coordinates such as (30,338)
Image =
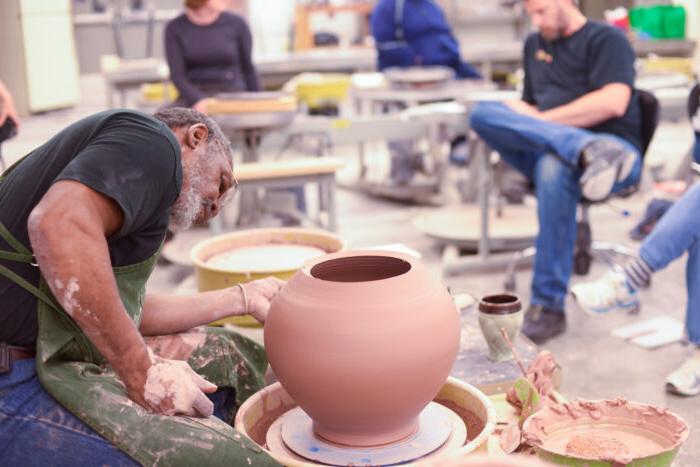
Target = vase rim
(411,263)
(500,304)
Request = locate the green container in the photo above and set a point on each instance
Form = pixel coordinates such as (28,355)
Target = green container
(660,21)
(664,459)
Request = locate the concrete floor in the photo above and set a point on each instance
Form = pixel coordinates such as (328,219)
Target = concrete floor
(596,364)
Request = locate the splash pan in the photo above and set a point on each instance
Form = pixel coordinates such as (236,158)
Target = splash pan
(606,433)
(259,418)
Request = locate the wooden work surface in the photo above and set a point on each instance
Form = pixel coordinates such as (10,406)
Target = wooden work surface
(473,365)
(287,168)
(249,105)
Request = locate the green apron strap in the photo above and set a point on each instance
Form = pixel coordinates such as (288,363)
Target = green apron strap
(12,241)
(17,257)
(23,255)
(17,279)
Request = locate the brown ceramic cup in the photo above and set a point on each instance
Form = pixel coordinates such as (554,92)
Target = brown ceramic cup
(496,312)
(500,304)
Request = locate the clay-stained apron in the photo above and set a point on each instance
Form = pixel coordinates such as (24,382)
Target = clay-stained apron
(76,375)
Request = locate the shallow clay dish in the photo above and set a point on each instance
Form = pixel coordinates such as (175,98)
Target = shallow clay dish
(606,433)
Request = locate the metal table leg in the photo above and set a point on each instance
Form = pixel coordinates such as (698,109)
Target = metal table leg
(452,262)
(249,202)
(329,183)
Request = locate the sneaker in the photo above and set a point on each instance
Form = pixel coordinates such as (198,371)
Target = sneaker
(541,324)
(685,381)
(606,162)
(606,294)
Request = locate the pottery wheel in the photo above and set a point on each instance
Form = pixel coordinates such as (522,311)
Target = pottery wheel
(440,430)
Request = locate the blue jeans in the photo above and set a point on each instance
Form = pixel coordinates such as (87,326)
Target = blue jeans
(547,154)
(696,148)
(35,430)
(678,231)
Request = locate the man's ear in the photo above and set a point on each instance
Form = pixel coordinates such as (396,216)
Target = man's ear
(196,135)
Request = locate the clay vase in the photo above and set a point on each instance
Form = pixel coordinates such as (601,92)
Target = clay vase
(363,341)
(496,312)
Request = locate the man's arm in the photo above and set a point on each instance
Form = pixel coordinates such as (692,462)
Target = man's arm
(168,314)
(69,243)
(596,107)
(68,231)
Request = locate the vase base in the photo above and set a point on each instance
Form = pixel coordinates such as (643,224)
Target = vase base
(439,429)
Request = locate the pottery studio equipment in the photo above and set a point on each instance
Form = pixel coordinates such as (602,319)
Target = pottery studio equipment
(418,77)
(606,433)
(362,343)
(246,117)
(247,255)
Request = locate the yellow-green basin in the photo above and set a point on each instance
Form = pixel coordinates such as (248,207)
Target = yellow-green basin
(212,278)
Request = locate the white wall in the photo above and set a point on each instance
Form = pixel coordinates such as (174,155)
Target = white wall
(692,8)
(270,22)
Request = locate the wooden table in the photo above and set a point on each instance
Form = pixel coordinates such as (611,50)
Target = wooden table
(473,366)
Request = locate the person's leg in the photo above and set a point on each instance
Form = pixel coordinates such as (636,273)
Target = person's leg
(685,380)
(37,430)
(558,195)
(676,233)
(692,317)
(508,131)
(608,162)
(402,168)
(696,148)
(557,191)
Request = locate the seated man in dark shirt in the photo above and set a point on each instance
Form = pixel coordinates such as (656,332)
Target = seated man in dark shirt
(93,369)
(575,134)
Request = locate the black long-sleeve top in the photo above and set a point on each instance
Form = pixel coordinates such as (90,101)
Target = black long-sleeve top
(214,56)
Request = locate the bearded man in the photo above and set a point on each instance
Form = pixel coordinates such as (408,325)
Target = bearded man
(93,370)
(576,134)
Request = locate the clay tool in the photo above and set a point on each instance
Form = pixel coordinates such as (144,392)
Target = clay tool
(515,352)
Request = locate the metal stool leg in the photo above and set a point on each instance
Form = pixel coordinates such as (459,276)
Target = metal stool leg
(510,282)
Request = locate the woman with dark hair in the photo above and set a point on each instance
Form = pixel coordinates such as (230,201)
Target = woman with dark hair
(209,51)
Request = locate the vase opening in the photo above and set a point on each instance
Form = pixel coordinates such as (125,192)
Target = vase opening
(360,269)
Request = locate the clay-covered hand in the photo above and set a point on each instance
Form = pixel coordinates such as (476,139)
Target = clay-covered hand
(260,294)
(201,105)
(173,388)
(524,108)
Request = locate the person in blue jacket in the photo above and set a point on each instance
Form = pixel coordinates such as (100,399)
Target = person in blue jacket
(414,33)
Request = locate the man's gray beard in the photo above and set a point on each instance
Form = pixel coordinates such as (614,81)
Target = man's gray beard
(188,205)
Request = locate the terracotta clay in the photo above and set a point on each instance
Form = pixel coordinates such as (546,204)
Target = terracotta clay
(363,340)
(617,431)
(545,374)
